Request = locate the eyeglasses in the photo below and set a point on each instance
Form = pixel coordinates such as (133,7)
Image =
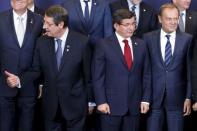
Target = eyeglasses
(48,24)
(128,24)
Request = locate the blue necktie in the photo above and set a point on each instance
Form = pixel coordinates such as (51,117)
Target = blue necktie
(86,12)
(181,24)
(168,51)
(59,52)
(133,8)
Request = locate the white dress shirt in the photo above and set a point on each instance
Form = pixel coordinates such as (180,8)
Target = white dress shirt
(83,6)
(163,42)
(122,44)
(63,39)
(16,22)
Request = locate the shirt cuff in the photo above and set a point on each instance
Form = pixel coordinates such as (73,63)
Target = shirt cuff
(143,102)
(19,84)
(91,104)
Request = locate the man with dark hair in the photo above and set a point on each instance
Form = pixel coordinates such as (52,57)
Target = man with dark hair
(62,56)
(19,29)
(121,76)
(146,18)
(169,54)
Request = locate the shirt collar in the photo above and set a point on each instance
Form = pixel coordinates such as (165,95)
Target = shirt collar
(64,36)
(24,15)
(172,34)
(130,4)
(120,38)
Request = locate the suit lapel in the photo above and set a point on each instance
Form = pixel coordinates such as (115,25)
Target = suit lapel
(67,49)
(80,13)
(94,9)
(156,37)
(176,47)
(12,28)
(29,25)
(116,47)
(188,22)
(52,54)
(135,52)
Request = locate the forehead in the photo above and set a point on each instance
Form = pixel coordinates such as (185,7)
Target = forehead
(48,19)
(170,12)
(131,20)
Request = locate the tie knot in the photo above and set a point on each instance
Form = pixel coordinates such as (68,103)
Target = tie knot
(133,8)
(86,1)
(125,42)
(181,14)
(59,41)
(168,37)
(20,18)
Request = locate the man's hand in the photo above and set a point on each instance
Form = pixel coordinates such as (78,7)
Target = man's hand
(187,107)
(144,108)
(104,108)
(12,80)
(194,106)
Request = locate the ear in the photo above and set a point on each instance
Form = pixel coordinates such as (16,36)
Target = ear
(159,18)
(61,24)
(115,26)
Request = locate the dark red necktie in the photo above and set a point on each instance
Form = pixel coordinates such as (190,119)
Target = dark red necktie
(127,54)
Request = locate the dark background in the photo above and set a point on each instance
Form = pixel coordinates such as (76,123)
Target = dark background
(5,4)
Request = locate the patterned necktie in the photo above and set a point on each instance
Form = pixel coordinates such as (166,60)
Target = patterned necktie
(133,8)
(181,23)
(168,51)
(59,52)
(127,54)
(86,12)
(20,31)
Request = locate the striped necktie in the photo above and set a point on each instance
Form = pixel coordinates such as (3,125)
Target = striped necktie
(168,51)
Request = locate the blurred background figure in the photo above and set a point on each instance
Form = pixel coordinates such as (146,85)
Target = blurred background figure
(146,17)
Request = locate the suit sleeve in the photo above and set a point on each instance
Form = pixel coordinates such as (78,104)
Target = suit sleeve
(188,93)
(194,70)
(147,90)
(34,71)
(98,74)
(87,71)
(108,27)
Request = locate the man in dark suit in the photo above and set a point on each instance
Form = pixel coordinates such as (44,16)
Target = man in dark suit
(19,29)
(33,8)
(98,24)
(169,51)
(188,16)
(121,76)
(146,16)
(63,58)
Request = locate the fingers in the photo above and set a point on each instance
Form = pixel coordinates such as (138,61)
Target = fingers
(144,108)
(187,108)
(12,80)
(104,108)
(194,106)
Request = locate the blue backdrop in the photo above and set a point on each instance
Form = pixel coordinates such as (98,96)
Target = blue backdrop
(5,4)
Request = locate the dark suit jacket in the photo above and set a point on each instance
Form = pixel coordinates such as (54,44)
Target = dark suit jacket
(147,16)
(113,83)
(100,24)
(68,86)
(14,58)
(172,81)
(38,11)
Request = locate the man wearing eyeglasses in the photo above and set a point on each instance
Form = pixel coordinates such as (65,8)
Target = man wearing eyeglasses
(121,76)
(19,29)
(62,57)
